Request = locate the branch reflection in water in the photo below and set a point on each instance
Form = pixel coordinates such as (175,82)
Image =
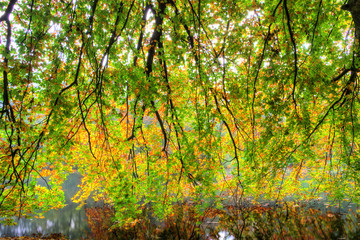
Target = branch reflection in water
(68,220)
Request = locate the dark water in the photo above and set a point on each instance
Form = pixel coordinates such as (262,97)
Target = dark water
(68,221)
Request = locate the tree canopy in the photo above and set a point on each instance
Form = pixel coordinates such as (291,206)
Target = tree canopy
(156,101)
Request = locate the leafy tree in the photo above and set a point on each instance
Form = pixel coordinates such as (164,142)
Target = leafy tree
(158,101)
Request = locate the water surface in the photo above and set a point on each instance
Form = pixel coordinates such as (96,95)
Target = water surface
(68,220)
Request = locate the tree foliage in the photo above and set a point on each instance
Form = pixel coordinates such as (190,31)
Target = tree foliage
(158,101)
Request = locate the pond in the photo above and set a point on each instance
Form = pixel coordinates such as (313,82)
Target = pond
(311,220)
(236,221)
(68,221)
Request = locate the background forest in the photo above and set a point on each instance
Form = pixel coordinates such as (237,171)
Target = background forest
(156,102)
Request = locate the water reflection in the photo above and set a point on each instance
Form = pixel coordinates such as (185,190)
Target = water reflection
(237,220)
(223,235)
(68,221)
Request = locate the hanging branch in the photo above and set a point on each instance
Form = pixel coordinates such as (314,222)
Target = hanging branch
(6,107)
(295,52)
(9,9)
(139,47)
(187,29)
(155,38)
(230,134)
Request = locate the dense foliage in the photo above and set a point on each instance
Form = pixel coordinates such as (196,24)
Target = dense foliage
(157,101)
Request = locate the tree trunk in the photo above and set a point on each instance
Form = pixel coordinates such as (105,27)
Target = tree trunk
(353,6)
